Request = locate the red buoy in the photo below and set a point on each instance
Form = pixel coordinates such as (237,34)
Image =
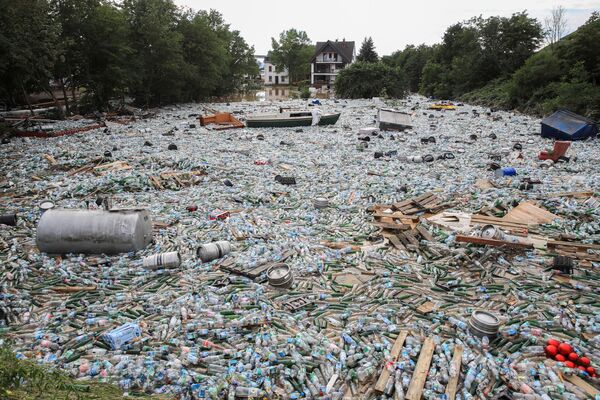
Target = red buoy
(565,349)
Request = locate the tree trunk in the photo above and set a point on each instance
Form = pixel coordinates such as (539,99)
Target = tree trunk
(61,114)
(64,92)
(74,95)
(26,96)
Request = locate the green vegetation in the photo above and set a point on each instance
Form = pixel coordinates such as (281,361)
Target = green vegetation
(366,80)
(494,62)
(150,50)
(367,51)
(293,51)
(23,379)
(563,75)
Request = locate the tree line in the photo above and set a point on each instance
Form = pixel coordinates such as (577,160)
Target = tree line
(100,50)
(495,61)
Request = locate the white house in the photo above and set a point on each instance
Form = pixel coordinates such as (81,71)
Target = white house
(329,59)
(272,77)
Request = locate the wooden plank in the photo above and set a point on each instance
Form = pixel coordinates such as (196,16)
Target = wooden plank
(397,227)
(583,385)
(454,373)
(415,389)
(425,233)
(411,238)
(385,373)
(492,242)
(426,307)
(396,242)
(529,213)
(578,245)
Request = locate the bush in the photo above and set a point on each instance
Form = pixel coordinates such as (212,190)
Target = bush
(367,80)
(304,93)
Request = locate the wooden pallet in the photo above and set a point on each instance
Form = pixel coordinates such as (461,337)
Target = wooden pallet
(492,242)
(514,228)
(427,202)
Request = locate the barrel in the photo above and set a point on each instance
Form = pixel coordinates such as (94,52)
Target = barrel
(491,232)
(211,251)
(280,275)
(8,219)
(483,323)
(162,260)
(321,202)
(62,231)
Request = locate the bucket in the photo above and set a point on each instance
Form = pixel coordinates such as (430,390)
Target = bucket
(8,219)
(211,251)
(483,323)
(280,275)
(163,260)
(46,205)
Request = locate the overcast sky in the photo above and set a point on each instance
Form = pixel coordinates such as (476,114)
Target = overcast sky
(392,23)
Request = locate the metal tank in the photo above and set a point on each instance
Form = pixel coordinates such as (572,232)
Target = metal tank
(64,231)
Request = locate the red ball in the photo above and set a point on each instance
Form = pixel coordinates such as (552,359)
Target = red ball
(565,349)
(581,367)
(573,357)
(560,358)
(553,342)
(584,361)
(551,350)
(569,364)
(591,371)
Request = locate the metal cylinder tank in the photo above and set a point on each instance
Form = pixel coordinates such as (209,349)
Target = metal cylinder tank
(62,231)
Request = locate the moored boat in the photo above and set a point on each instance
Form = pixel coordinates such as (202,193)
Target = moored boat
(288,119)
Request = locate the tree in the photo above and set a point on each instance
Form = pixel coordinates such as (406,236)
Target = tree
(28,49)
(367,80)
(158,61)
(367,51)
(555,25)
(293,51)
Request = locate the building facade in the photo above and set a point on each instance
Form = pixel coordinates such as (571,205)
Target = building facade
(272,77)
(329,59)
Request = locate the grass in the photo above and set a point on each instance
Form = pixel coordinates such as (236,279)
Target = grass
(24,379)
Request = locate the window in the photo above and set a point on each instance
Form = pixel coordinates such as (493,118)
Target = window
(283,79)
(270,68)
(270,78)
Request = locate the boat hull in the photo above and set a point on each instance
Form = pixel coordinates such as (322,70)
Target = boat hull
(330,119)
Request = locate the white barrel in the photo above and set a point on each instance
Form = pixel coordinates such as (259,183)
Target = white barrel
(171,259)
(211,251)
(63,231)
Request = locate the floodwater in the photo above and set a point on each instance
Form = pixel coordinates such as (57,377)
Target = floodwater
(270,93)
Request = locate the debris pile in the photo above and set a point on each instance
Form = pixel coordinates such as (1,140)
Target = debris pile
(294,264)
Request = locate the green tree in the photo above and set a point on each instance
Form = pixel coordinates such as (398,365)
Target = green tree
(367,80)
(367,51)
(412,60)
(28,49)
(293,51)
(158,60)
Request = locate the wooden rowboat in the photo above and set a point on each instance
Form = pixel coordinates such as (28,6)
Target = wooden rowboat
(289,119)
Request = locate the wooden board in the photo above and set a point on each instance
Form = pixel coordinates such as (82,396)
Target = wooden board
(492,242)
(426,307)
(415,389)
(529,213)
(574,245)
(385,373)
(454,373)
(581,384)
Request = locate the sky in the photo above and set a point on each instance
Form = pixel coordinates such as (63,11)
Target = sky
(392,24)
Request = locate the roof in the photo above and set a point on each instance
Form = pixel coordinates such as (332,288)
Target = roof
(343,48)
(567,122)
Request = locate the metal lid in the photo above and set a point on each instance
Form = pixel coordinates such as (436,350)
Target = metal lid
(485,319)
(279,274)
(488,231)
(46,205)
